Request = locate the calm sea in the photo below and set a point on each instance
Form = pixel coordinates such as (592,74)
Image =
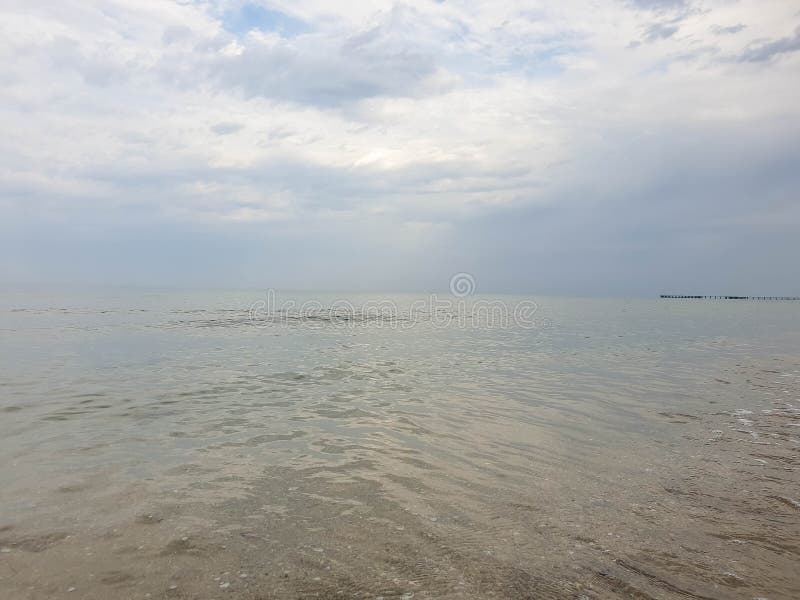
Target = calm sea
(199,443)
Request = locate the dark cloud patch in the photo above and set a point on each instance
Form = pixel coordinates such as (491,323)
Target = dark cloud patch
(659,5)
(768,50)
(226,128)
(660,31)
(670,16)
(728,30)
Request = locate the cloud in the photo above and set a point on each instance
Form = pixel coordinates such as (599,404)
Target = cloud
(671,14)
(321,72)
(249,17)
(310,144)
(388,57)
(175,33)
(226,128)
(728,30)
(660,31)
(762,52)
(659,5)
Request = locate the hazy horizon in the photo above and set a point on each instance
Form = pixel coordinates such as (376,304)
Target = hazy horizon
(638,148)
(69,287)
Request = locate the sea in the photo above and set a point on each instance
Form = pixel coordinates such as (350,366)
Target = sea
(161,443)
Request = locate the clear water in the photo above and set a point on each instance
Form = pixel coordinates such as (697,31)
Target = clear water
(617,447)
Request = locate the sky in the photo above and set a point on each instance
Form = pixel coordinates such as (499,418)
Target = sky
(627,147)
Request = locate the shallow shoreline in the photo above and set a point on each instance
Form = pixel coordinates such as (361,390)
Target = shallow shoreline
(709,512)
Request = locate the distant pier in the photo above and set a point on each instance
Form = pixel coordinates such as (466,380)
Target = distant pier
(682,296)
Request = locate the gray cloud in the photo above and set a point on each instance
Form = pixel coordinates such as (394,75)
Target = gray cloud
(660,31)
(671,14)
(97,69)
(710,209)
(767,50)
(393,57)
(326,78)
(226,128)
(659,5)
(701,201)
(728,30)
(176,33)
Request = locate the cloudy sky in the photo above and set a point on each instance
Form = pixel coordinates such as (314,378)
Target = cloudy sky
(571,147)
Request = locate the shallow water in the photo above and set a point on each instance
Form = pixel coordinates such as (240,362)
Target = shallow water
(180,445)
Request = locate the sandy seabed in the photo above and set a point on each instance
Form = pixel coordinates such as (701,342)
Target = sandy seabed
(709,509)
